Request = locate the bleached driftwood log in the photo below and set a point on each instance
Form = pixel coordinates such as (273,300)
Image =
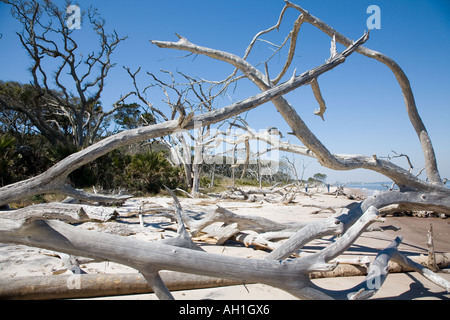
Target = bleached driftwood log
(72,212)
(100,285)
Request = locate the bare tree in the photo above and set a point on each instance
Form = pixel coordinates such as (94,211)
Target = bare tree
(181,254)
(191,97)
(46,36)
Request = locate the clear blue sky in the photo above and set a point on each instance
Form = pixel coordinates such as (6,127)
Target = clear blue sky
(365,114)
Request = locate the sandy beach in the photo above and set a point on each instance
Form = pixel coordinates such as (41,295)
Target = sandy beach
(22,261)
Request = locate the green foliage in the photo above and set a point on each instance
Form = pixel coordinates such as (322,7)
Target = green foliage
(25,110)
(320,177)
(317,179)
(82,177)
(149,171)
(59,151)
(205,181)
(7,148)
(6,144)
(110,170)
(130,117)
(142,172)
(253,182)
(38,198)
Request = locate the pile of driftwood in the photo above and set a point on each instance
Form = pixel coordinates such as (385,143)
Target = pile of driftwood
(287,193)
(193,226)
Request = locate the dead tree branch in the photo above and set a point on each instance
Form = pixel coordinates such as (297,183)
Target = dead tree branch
(403,178)
(416,121)
(100,285)
(45,36)
(318,95)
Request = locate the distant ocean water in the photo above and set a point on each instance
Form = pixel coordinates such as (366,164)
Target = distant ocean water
(369,188)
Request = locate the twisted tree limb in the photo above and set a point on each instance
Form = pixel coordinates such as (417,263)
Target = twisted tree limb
(404,179)
(402,79)
(318,95)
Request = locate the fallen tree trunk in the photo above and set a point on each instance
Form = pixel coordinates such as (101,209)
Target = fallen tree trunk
(149,258)
(100,285)
(351,270)
(71,212)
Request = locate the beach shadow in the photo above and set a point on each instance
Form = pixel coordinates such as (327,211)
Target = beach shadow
(417,290)
(358,249)
(355,249)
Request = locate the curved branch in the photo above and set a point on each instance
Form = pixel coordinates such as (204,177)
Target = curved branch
(403,178)
(376,275)
(183,44)
(294,35)
(255,38)
(318,95)
(402,79)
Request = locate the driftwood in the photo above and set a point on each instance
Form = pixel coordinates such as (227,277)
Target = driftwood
(250,194)
(99,285)
(431,262)
(72,212)
(240,222)
(356,268)
(315,148)
(181,254)
(247,229)
(416,121)
(149,258)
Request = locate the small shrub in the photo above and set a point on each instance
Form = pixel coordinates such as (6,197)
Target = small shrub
(149,171)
